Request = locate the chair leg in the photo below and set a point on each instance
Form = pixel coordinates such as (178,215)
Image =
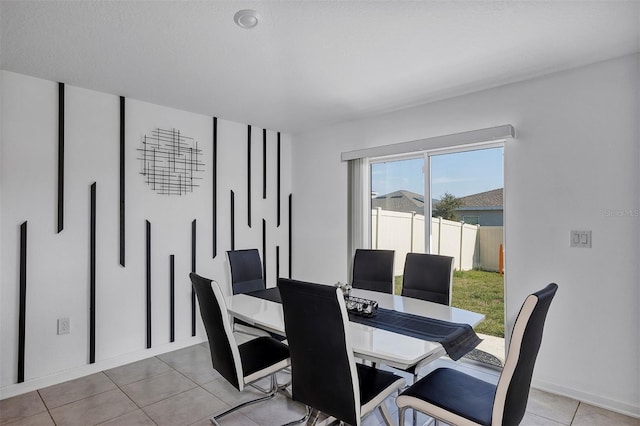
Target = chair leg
(415,413)
(386,415)
(271,394)
(401,414)
(303,419)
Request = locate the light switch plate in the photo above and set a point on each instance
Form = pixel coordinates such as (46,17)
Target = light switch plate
(580,239)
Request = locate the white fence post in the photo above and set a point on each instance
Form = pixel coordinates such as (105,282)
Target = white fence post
(439,232)
(461,246)
(413,218)
(378,215)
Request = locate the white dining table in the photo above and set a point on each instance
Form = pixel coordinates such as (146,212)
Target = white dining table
(369,343)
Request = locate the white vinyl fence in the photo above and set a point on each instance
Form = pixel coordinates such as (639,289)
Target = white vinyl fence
(472,246)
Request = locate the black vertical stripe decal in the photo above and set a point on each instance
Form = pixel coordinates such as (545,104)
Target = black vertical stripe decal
(264,250)
(214,162)
(278,172)
(249,176)
(193,269)
(60,157)
(172,298)
(122,180)
(148,284)
(277,263)
(290,236)
(264,164)
(233,221)
(23,300)
(92,279)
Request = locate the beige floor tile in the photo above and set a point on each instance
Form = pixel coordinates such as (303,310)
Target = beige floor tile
(139,370)
(194,362)
(94,409)
(135,418)
(42,419)
(233,419)
(588,415)
(531,419)
(277,411)
(552,407)
(21,406)
(74,390)
(185,408)
(223,390)
(157,388)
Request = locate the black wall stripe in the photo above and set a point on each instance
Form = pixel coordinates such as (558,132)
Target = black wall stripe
(214,167)
(290,235)
(172,298)
(277,263)
(193,269)
(148,284)
(249,176)
(122,180)
(60,157)
(264,164)
(278,183)
(92,279)
(264,250)
(23,300)
(233,221)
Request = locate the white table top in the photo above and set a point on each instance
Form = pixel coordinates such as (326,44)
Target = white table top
(368,343)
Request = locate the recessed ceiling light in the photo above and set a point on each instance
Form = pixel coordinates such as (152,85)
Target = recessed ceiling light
(246,18)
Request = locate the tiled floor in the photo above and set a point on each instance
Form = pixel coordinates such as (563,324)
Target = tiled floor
(181,388)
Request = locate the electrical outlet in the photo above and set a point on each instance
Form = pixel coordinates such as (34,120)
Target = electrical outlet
(64,326)
(580,239)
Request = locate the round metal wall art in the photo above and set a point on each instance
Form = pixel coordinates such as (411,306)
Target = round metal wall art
(171,162)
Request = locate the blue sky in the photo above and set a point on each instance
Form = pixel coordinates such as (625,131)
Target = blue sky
(460,174)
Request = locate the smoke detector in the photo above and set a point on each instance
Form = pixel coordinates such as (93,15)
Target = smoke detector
(246,18)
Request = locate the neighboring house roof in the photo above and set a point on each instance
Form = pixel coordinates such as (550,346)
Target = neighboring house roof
(400,201)
(488,200)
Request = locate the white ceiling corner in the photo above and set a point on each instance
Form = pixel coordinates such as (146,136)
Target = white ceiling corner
(307,64)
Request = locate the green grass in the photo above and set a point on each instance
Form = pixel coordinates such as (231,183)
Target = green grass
(478,291)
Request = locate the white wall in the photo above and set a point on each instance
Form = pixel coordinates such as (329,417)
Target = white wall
(58,264)
(573,162)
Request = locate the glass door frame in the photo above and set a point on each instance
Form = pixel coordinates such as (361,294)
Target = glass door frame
(426,155)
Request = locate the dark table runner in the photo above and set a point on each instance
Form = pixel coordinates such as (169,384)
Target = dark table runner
(456,339)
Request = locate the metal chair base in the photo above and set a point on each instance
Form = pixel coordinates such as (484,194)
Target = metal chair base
(271,393)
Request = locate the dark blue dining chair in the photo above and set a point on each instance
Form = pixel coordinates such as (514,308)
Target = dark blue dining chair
(246,271)
(243,364)
(325,375)
(246,276)
(458,398)
(373,270)
(428,277)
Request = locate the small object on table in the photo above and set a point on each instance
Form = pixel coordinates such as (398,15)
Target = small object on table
(362,307)
(346,288)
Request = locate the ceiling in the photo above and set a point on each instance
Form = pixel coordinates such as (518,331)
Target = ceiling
(308,63)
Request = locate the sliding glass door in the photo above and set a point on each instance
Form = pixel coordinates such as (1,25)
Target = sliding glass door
(398,208)
(447,202)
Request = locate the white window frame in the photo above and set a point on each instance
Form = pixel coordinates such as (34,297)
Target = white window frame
(359,186)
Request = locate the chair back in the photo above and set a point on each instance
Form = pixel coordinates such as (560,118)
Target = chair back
(324,374)
(512,390)
(225,355)
(246,271)
(373,270)
(428,277)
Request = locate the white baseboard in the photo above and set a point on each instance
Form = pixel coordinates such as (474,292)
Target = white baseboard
(588,398)
(84,370)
